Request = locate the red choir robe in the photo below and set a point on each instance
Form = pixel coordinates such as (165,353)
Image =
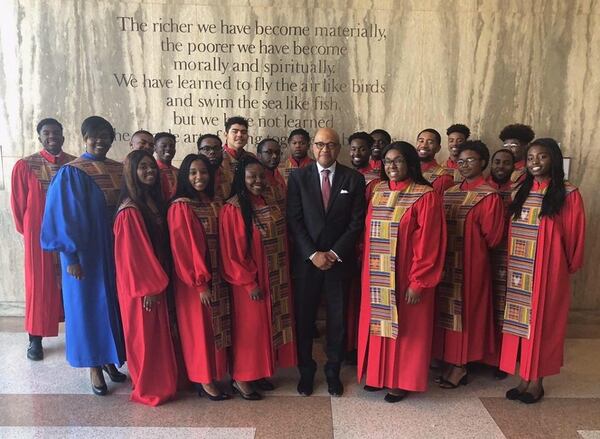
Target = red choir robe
(465,320)
(559,253)
(498,261)
(168,179)
(375,165)
(291,163)
(231,158)
(262,330)
(139,272)
(441,178)
(369,173)
(520,172)
(403,362)
(276,187)
(30,180)
(193,229)
(452,166)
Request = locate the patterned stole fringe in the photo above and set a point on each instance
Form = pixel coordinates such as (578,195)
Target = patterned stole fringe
(271,224)
(106,174)
(457,205)
(44,170)
(207,214)
(388,208)
(499,262)
(436,171)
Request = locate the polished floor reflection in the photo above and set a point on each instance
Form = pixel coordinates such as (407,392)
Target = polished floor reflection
(48,399)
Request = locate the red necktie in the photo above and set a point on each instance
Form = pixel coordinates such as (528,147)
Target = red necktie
(325,188)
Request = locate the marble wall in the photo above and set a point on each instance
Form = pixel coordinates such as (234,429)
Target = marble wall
(406,65)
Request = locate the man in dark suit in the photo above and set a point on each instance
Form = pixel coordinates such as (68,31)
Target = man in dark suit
(326,211)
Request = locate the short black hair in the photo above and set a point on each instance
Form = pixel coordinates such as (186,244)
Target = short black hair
(413,164)
(384,133)
(239,120)
(299,132)
(94,124)
(505,151)
(48,121)
(437,135)
(459,128)
(479,147)
(208,136)
(524,133)
(263,142)
(162,134)
(141,132)
(362,136)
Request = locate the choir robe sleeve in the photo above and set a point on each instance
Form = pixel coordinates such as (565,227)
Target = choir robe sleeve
(573,223)
(491,217)
(139,273)
(429,243)
(237,266)
(19,193)
(188,246)
(442,183)
(66,215)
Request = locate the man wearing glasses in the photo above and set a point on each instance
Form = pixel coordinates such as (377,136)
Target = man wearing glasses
(210,146)
(517,137)
(325,210)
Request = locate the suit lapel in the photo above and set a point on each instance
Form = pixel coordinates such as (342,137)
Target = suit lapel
(338,180)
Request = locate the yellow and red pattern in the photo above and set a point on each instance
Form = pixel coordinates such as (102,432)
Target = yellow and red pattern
(457,205)
(106,174)
(44,170)
(388,208)
(436,171)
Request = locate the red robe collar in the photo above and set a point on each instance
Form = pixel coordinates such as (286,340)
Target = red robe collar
(466,186)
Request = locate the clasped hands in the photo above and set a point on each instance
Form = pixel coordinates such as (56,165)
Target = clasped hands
(324,260)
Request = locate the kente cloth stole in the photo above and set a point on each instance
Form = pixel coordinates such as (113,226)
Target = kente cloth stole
(106,174)
(499,261)
(432,174)
(521,265)
(43,170)
(207,214)
(387,209)
(223,180)
(457,205)
(516,174)
(171,175)
(271,224)
(287,169)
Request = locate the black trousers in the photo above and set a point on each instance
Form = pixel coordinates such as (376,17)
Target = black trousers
(308,291)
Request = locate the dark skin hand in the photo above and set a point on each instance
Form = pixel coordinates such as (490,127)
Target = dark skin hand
(324,260)
(75,270)
(205,297)
(412,297)
(149,302)
(256,294)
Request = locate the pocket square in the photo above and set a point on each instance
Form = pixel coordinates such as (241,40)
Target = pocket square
(344,191)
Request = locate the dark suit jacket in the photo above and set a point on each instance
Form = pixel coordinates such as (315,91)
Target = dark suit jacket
(313,229)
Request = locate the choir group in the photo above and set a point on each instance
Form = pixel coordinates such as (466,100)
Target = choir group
(218,268)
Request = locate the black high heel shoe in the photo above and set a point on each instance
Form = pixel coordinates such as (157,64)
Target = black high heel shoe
(220,397)
(445,384)
(528,398)
(99,390)
(254,396)
(114,374)
(513,393)
(264,385)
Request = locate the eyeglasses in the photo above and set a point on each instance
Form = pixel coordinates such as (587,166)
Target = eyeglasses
(330,146)
(397,161)
(468,161)
(511,145)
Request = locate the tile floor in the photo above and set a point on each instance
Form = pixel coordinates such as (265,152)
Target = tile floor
(49,399)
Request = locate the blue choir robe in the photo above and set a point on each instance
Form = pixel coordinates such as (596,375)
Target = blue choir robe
(78,218)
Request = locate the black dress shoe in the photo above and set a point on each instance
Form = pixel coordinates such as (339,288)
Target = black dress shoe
(395,398)
(220,397)
(513,393)
(35,352)
(305,385)
(335,386)
(114,374)
(528,398)
(264,385)
(499,374)
(254,396)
